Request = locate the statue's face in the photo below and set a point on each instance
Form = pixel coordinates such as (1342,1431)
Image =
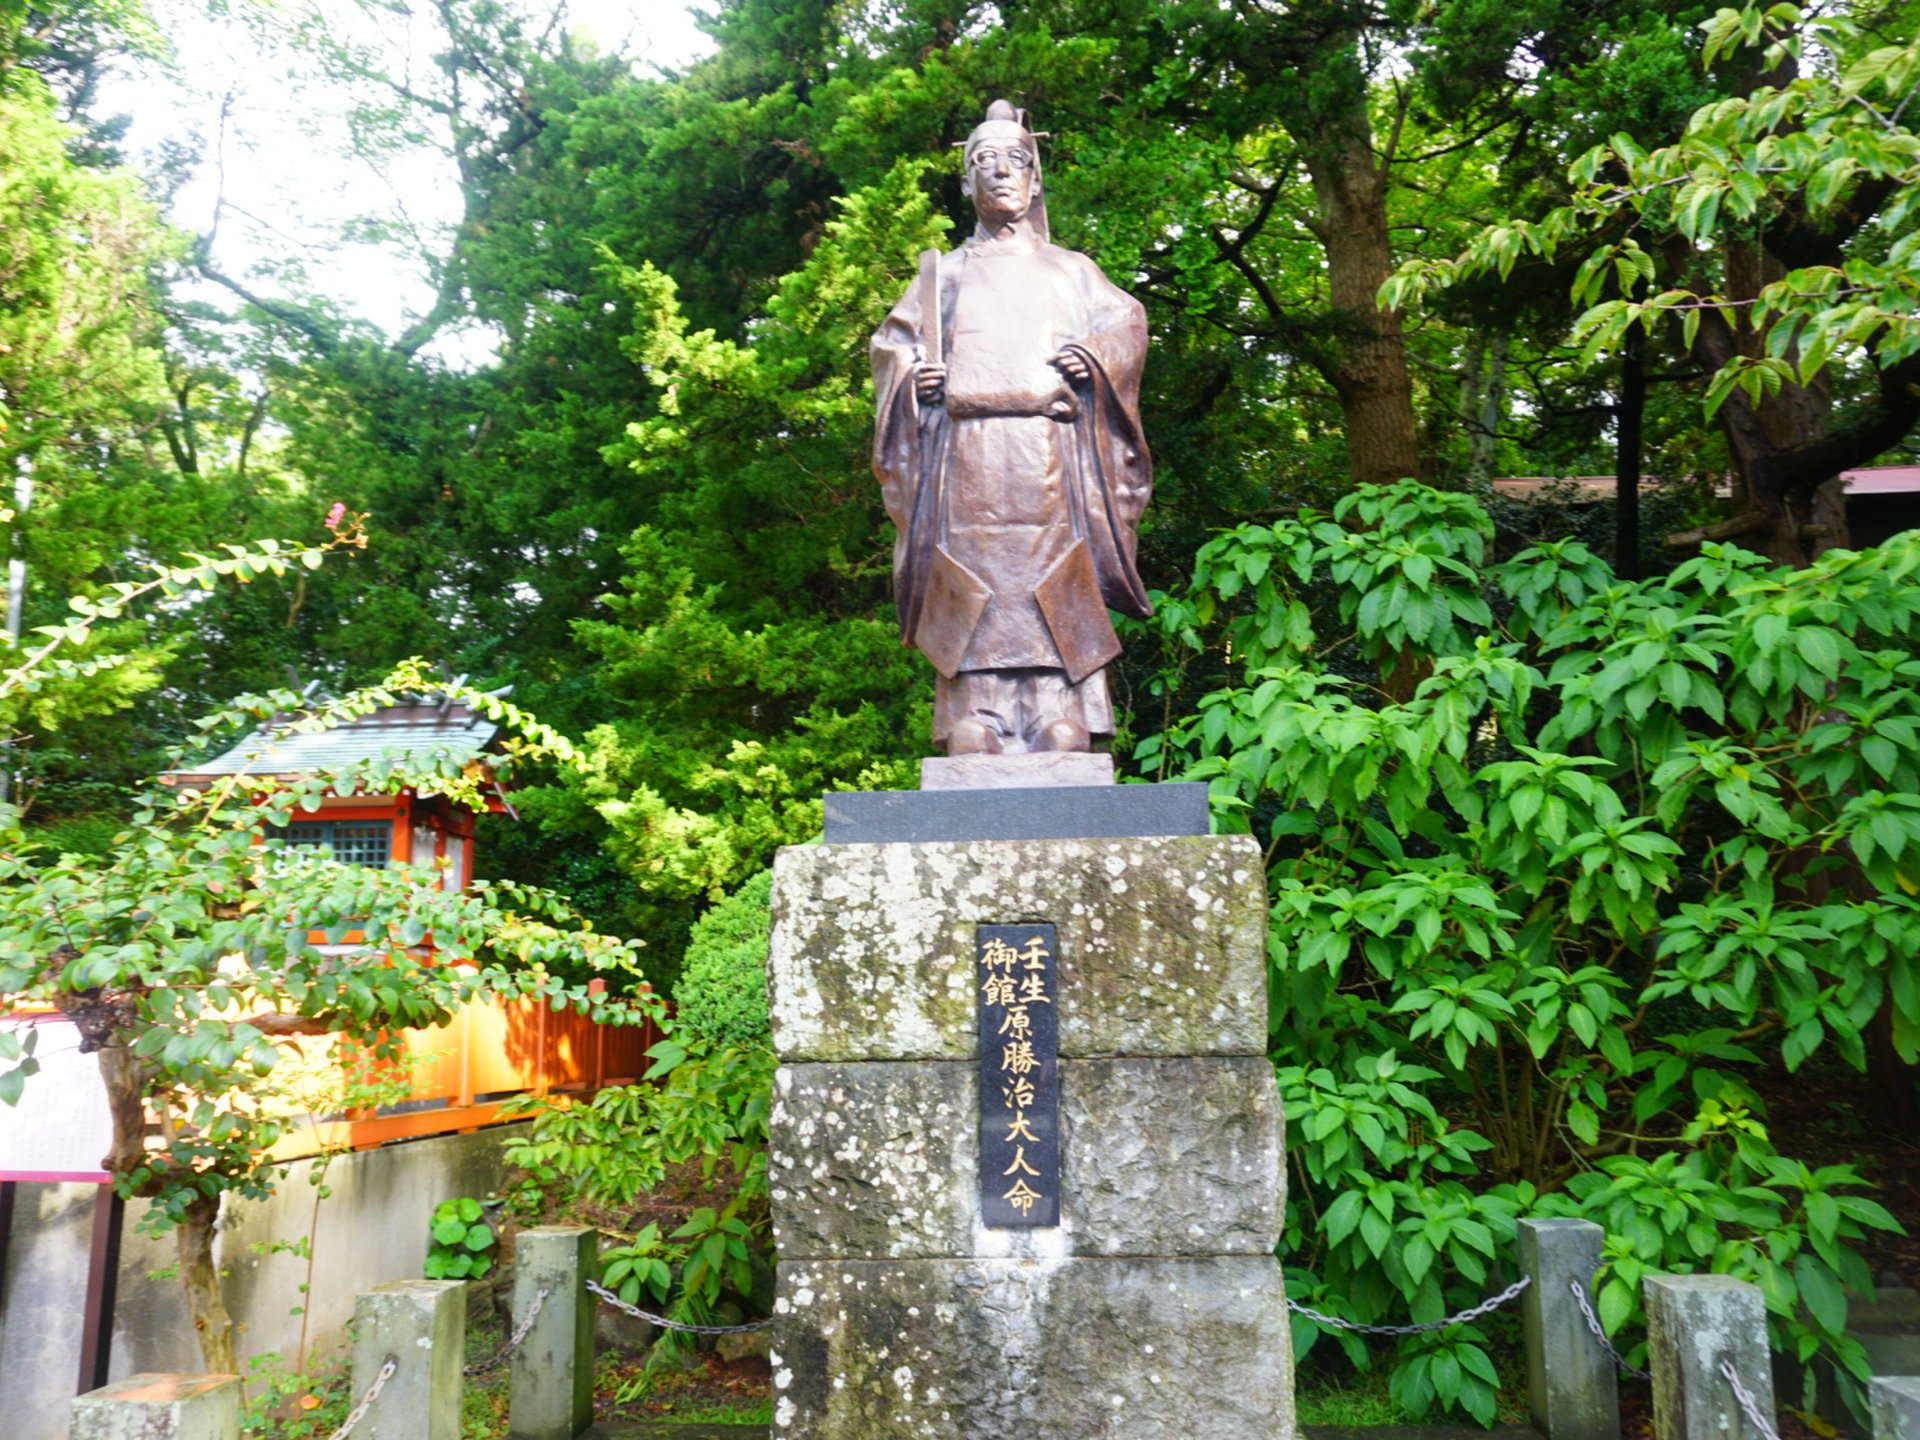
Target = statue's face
(1000,176)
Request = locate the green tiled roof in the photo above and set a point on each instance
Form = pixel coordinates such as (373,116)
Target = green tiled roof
(403,731)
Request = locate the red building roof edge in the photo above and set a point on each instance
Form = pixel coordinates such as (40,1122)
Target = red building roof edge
(1867,480)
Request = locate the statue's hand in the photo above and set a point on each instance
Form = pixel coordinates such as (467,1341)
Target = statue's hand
(1072,364)
(929,382)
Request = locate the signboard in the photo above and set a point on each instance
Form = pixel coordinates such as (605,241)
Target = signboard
(1019,1077)
(62,1128)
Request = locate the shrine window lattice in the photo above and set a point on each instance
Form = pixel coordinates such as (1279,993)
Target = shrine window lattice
(367,843)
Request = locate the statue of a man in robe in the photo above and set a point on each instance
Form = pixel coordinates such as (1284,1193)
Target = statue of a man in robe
(1009,451)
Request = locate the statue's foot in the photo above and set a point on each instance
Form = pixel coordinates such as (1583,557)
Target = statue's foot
(1063,735)
(970,737)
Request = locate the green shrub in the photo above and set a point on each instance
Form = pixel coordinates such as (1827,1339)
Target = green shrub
(711,1103)
(89,835)
(706,1096)
(722,992)
(462,1237)
(1560,865)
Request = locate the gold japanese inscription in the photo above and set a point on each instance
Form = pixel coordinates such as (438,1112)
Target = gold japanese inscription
(1015,966)
(1020,1163)
(1023,1196)
(998,955)
(1000,990)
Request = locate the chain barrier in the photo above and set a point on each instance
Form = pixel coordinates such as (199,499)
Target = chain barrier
(1593,1324)
(513,1344)
(1485,1307)
(1747,1402)
(359,1412)
(608,1297)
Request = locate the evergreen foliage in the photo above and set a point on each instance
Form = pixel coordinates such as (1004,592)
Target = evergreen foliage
(1777,231)
(722,994)
(649,510)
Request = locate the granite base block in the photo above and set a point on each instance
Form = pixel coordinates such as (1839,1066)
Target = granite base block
(1081,1349)
(1158,1157)
(1015,772)
(1162,945)
(1044,812)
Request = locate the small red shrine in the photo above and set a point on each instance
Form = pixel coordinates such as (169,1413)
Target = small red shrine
(365,829)
(493,1050)
(461,1075)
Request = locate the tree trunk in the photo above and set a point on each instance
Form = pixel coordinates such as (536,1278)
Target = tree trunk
(1471,370)
(1805,514)
(125,1077)
(1482,397)
(1367,366)
(1628,454)
(1787,493)
(1896,1084)
(1482,446)
(201,1277)
(1794,516)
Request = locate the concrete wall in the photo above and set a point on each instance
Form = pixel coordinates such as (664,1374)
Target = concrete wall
(372,1229)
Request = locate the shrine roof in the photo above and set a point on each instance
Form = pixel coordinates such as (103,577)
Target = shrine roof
(417,728)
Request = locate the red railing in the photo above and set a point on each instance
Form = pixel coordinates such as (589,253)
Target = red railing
(458,1077)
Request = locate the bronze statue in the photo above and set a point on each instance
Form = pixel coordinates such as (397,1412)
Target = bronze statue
(1008,446)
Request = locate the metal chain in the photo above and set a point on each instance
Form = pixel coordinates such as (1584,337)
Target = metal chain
(359,1412)
(483,1366)
(634,1310)
(1593,1324)
(1747,1402)
(1485,1307)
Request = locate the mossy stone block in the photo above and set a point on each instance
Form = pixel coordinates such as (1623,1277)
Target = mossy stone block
(1161,945)
(1092,1349)
(880,1160)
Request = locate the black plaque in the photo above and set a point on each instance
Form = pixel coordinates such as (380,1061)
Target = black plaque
(1017,973)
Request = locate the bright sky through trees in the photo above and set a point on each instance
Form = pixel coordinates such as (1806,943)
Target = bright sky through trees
(277,162)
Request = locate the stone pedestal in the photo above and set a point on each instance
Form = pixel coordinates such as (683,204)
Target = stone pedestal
(160,1407)
(552,1386)
(421,1325)
(1154,1310)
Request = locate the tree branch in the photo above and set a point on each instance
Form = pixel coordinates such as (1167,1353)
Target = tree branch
(1230,249)
(324,340)
(1744,523)
(1796,241)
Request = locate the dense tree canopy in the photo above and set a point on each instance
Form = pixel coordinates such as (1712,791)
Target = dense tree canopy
(619,460)
(648,507)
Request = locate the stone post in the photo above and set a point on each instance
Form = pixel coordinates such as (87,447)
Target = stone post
(1571,1381)
(552,1397)
(1153,1309)
(1694,1323)
(160,1407)
(1896,1407)
(422,1326)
